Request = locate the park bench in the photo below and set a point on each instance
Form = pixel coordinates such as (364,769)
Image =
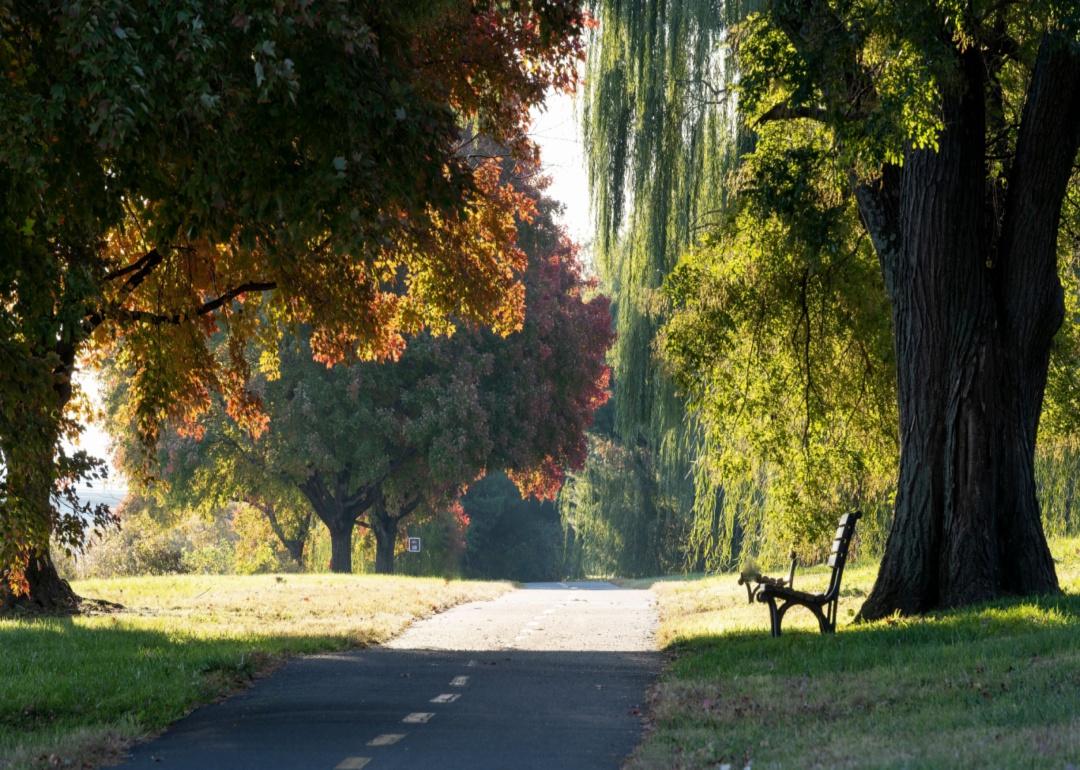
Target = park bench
(780,594)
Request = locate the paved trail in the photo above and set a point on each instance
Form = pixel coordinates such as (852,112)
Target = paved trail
(550,676)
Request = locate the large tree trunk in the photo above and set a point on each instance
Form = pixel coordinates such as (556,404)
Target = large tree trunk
(49,593)
(30,476)
(339,511)
(974,316)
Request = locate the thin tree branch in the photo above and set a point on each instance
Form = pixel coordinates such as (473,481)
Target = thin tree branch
(785,111)
(145,316)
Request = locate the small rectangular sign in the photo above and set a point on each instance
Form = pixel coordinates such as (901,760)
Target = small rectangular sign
(414,545)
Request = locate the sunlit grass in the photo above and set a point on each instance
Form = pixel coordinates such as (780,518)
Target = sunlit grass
(991,686)
(79,688)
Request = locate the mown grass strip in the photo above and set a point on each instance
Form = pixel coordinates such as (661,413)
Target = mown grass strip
(990,686)
(79,689)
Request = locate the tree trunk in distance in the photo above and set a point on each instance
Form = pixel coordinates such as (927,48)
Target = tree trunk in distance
(385,528)
(295,547)
(341,548)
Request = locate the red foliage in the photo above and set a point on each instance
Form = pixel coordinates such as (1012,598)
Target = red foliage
(560,374)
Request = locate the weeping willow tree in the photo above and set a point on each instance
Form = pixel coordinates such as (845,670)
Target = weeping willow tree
(661,140)
(734,247)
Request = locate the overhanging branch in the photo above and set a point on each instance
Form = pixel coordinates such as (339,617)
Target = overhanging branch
(785,111)
(145,316)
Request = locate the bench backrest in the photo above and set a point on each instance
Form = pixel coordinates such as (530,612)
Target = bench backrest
(838,555)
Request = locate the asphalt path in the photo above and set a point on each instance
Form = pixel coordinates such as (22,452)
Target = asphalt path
(552,675)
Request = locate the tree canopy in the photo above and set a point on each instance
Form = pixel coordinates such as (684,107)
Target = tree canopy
(909,157)
(796,132)
(372,443)
(171,172)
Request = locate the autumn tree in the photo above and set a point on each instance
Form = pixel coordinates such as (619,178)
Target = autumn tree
(168,172)
(372,444)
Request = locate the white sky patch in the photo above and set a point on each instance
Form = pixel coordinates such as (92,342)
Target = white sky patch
(557,130)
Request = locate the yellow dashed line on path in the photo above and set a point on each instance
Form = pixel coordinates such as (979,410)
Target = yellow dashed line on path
(418,717)
(389,739)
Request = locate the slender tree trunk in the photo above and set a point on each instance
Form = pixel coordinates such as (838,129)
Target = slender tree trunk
(294,545)
(973,321)
(385,528)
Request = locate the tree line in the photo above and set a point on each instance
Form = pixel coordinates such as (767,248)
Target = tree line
(376,445)
(858,230)
(182,185)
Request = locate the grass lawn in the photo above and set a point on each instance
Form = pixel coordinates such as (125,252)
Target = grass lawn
(75,691)
(993,686)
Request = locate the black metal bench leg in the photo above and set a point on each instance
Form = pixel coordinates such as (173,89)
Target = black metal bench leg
(775,617)
(823,621)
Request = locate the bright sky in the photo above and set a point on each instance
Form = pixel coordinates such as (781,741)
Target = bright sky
(556,130)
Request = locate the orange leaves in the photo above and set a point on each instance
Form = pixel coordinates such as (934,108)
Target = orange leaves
(402,236)
(469,266)
(542,482)
(494,62)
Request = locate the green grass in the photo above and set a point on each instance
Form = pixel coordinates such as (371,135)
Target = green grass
(990,686)
(78,690)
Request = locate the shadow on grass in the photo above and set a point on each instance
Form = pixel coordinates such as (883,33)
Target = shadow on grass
(1015,627)
(59,676)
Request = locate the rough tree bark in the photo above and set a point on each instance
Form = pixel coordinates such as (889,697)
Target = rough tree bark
(976,302)
(49,593)
(341,547)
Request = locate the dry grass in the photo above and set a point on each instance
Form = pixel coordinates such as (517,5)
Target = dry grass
(77,690)
(990,686)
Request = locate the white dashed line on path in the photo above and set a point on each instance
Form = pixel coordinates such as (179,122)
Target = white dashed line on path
(353,763)
(387,739)
(459,681)
(446,697)
(418,718)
